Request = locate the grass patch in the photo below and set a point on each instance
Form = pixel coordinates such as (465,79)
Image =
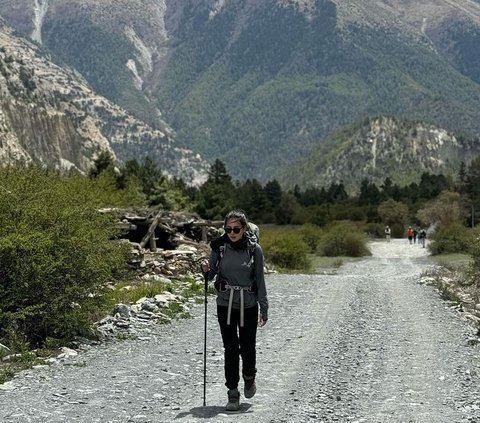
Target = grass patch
(448,295)
(456,262)
(18,361)
(130,292)
(448,282)
(175,310)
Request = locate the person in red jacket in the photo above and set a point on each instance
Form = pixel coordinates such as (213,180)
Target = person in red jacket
(410,234)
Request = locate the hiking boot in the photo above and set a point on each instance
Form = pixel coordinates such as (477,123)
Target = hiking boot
(250,387)
(233,400)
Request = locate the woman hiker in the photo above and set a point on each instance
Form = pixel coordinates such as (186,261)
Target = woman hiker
(237,262)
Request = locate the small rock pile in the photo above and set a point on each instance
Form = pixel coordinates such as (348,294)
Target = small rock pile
(126,317)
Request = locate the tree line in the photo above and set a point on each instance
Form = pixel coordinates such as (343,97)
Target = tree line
(389,203)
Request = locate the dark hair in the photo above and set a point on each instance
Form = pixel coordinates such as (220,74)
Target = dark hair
(237,215)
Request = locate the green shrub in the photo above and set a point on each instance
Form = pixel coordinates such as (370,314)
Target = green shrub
(398,230)
(311,235)
(375,230)
(285,249)
(315,215)
(288,247)
(129,293)
(475,258)
(454,238)
(56,253)
(343,240)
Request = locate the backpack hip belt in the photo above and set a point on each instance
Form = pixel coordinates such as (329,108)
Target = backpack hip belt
(233,288)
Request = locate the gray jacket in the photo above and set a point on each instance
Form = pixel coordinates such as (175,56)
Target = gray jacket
(235,269)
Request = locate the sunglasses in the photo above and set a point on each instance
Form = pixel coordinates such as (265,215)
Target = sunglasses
(235,230)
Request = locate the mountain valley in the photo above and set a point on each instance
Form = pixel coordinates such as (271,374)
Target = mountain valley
(262,85)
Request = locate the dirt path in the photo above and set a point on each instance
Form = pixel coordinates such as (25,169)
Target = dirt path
(369,344)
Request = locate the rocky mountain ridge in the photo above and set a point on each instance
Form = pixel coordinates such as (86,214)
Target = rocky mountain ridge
(259,84)
(382,147)
(50,114)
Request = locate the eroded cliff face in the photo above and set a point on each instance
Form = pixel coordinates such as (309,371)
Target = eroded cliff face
(37,120)
(49,114)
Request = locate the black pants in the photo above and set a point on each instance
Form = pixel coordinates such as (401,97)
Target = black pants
(238,341)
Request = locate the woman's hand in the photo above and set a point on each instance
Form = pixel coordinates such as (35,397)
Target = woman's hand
(205,267)
(262,321)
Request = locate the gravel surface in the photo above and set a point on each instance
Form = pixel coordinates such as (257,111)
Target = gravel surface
(367,344)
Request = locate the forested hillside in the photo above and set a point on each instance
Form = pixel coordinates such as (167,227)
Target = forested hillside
(379,147)
(269,93)
(259,84)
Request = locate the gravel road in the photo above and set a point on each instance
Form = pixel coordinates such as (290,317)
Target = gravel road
(367,344)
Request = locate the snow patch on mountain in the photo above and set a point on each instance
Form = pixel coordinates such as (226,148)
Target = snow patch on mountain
(424,26)
(161,7)
(373,141)
(66,164)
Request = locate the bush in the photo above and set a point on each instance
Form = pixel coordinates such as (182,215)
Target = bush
(311,235)
(454,238)
(56,255)
(343,240)
(315,215)
(285,249)
(475,263)
(398,231)
(375,230)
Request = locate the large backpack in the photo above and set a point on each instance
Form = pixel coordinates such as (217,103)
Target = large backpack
(254,231)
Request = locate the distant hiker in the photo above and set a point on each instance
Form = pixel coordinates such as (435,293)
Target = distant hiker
(422,236)
(237,262)
(387,233)
(415,233)
(410,234)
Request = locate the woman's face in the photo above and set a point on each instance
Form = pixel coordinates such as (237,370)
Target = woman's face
(232,226)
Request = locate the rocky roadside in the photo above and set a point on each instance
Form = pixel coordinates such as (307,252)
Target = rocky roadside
(172,262)
(369,344)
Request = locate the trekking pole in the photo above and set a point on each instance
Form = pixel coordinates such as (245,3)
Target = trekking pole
(205,276)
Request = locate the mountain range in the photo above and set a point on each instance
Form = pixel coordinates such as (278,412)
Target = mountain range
(268,85)
(50,115)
